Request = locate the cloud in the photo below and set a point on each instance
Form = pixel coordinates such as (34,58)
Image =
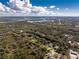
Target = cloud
(66,9)
(41,11)
(52,6)
(1,7)
(6,9)
(19,9)
(58,8)
(38,9)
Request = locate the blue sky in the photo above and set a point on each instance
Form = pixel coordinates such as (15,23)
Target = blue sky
(72,5)
(58,3)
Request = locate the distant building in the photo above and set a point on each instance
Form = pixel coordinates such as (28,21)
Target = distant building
(76,25)
(74,55)
(59,22)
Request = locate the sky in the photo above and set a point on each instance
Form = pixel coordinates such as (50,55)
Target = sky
(64,6)
(73,5)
